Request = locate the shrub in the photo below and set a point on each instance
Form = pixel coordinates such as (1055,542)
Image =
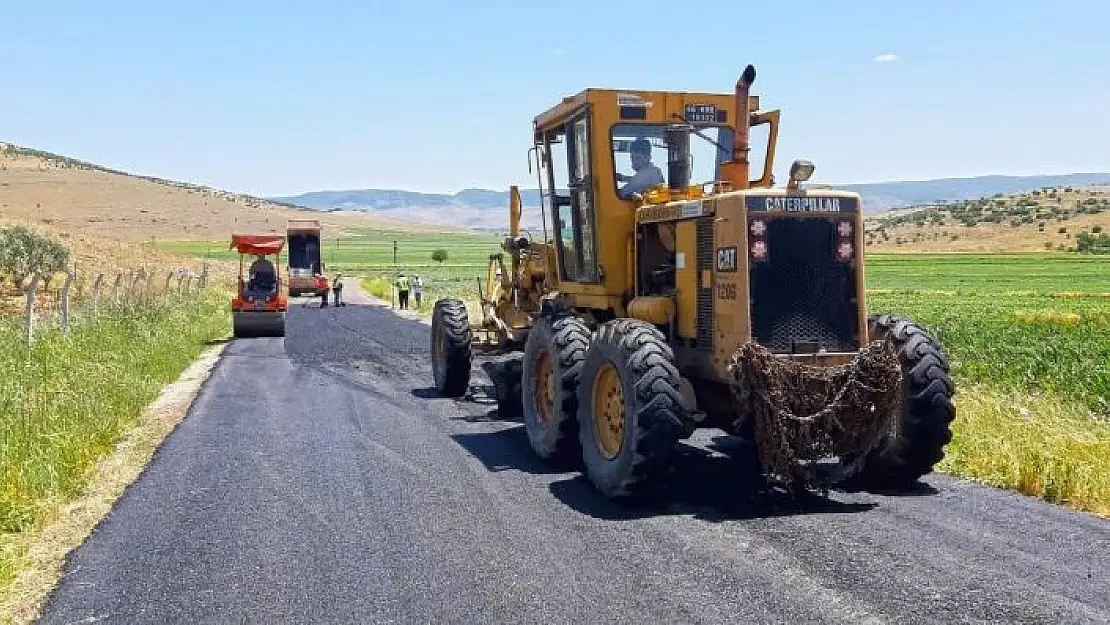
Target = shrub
(24,252)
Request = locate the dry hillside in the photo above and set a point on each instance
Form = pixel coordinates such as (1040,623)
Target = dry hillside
(109,220)
(1045,219)
(70,196)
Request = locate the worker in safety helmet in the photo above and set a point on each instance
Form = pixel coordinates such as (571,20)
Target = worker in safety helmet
(647,175)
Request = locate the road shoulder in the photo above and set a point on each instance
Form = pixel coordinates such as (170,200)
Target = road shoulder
(355,294)
(48,549)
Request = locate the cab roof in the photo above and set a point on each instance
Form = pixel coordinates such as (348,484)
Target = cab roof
(257,244)
(569,104)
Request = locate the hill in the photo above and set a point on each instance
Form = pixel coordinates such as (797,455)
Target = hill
(484,208)
(78,198)
(1046,219)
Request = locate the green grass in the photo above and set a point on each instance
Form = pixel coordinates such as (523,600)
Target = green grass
(373,249)
(1028,336)
(66,402)
(989,273)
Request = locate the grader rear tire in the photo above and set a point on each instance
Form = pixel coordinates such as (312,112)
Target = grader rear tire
(451,350)
(922,428)
(630,413)
(553,357)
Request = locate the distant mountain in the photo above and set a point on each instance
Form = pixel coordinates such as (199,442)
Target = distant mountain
(484,208)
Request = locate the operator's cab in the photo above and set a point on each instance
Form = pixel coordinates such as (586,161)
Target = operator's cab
(603,153)
(263,279)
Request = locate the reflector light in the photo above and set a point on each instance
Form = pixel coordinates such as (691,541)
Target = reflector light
(759,250)
(845,229)
(844,250)
(758,228)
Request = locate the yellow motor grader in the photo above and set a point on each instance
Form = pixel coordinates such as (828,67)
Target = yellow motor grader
(675,291)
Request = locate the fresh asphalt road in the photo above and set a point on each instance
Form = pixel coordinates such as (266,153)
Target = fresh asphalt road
(319,479)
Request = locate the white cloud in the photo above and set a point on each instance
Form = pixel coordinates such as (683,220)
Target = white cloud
(560,52)
(885,58)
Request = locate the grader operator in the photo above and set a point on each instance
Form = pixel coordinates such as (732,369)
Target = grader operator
(678,291)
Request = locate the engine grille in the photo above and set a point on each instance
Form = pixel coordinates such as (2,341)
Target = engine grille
(705,291)
(801,292)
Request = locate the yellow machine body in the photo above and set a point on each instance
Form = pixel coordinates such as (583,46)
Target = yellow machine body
(601,244)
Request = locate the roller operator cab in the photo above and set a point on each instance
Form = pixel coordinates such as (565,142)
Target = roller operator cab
(679,289)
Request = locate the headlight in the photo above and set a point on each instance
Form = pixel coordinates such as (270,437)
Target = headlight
(801,170)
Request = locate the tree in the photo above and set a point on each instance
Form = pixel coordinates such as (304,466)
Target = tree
(24,252)
(439,255)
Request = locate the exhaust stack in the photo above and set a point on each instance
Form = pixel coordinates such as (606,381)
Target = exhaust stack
(736,171)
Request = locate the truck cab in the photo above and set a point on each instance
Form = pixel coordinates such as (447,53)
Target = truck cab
(306,266)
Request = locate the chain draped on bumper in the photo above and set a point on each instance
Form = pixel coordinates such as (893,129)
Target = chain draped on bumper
(807,415)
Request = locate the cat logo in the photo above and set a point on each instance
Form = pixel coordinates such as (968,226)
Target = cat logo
(726,259)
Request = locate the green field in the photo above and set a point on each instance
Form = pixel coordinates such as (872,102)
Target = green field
(1028,336)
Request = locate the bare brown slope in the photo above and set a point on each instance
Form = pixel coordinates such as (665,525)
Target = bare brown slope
(70,196)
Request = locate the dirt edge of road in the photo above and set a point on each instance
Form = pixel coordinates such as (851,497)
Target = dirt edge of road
(109,478)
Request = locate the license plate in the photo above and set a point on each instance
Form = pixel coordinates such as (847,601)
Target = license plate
(701,113)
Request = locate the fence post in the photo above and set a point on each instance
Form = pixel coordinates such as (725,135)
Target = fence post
(188,283)
(203,281)
(29,309)
(70,275)
(134,288)
(115,287)
(96,293)
(169,276)
(149,289)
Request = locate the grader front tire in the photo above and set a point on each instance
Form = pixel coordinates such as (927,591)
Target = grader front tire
(630,411)
(553,357)
(451,349)
(922,427)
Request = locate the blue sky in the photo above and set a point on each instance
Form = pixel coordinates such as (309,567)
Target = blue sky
(280,98)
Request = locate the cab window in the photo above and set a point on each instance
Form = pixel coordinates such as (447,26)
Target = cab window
(640,155)
(567,154)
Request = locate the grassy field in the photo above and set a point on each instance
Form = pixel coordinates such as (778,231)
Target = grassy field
(1028,336)
(65,403)
(1029,342)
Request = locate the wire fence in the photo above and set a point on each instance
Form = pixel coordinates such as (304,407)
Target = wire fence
(64,300)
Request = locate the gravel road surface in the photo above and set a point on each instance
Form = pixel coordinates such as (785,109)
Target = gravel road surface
(319,479)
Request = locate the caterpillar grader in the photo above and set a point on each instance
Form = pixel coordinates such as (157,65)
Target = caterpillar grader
(691,294)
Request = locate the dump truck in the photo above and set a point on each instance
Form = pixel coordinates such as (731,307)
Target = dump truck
(306,266)
(676,289)
(259,305)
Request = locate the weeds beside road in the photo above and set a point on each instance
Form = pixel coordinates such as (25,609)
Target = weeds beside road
(65,402)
